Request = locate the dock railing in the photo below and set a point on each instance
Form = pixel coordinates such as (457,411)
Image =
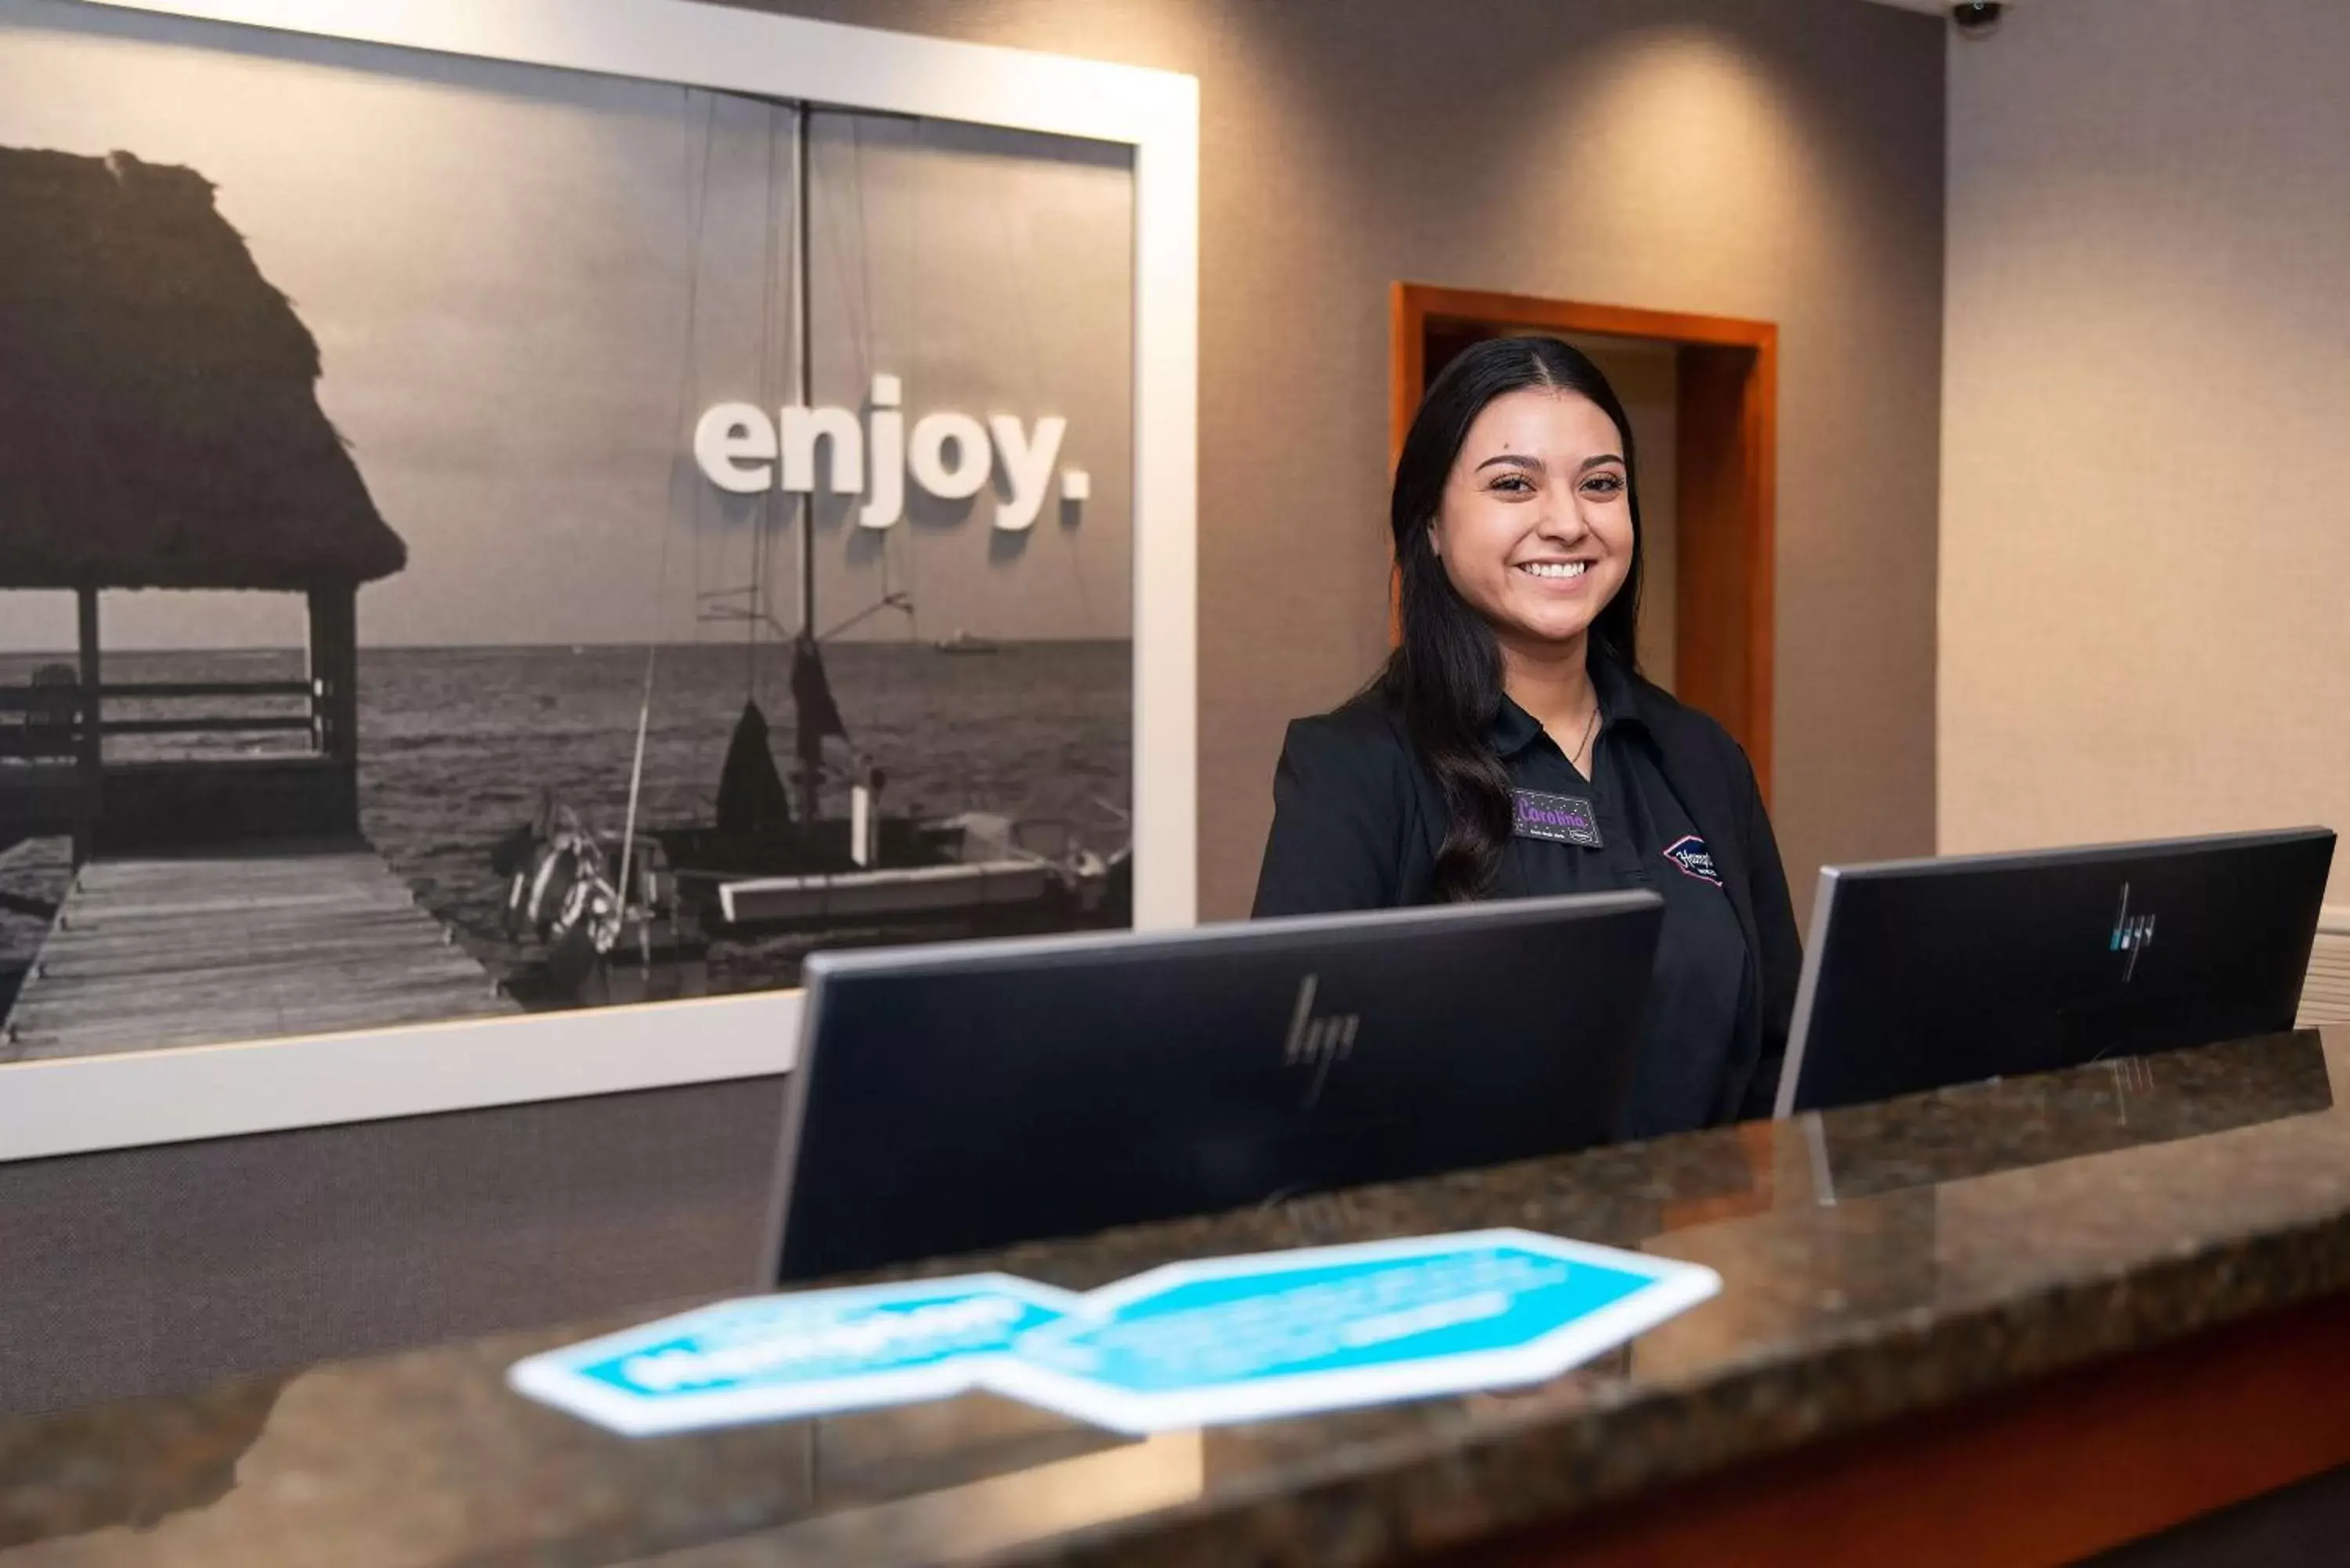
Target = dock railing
(54,760)
(52,723)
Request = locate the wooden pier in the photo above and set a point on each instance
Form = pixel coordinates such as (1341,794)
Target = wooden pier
(248,944)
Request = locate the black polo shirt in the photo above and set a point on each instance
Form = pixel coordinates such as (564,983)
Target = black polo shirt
(1647,840)
(1356,821)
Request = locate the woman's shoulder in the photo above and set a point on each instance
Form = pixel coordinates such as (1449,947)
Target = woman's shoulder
(1363,737)
(1663,711)
(1365,721)
(1364,728)
(1686,730)
(1346,817)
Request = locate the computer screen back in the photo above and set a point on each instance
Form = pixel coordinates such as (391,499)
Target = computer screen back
(1925,973)
(970,1096)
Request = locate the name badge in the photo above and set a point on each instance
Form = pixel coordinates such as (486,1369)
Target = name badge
(1561,818)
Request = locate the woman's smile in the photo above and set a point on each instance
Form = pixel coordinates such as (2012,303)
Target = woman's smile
(1555,573)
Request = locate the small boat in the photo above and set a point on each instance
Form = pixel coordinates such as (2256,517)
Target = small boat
(964,642)
(767,864)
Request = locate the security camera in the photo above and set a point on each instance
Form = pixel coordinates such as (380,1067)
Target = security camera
(1977,18)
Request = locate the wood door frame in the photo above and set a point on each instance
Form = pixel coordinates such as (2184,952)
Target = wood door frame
(1729,393)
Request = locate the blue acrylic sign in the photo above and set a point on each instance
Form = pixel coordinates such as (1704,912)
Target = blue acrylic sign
(1189,1344)
(770,1357)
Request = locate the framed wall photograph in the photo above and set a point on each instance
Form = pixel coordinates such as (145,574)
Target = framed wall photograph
(520,523)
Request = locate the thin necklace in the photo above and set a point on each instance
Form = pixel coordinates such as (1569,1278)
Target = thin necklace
(1589,725)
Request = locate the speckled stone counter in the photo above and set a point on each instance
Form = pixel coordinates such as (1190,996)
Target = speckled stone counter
(1880,1265)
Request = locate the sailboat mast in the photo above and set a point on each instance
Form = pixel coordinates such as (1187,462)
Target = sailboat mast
(810,738)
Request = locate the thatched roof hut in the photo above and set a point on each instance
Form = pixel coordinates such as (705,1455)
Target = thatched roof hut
(159,422)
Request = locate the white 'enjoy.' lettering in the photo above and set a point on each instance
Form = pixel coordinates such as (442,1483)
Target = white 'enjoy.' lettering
(951,455)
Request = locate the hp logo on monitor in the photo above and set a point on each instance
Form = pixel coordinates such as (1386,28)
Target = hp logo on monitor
(1318,1043)
(2133,934)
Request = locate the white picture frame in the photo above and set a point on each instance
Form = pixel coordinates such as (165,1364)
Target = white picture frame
(69,1107)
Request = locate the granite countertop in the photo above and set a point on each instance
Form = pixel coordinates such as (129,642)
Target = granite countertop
(1876,1261)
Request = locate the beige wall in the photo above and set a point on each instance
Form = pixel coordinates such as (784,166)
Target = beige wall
(2146,556)
(1783,162)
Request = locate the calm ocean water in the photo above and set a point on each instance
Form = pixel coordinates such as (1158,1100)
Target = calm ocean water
(456,744)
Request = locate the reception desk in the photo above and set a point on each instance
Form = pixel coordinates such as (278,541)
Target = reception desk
(2016,1322)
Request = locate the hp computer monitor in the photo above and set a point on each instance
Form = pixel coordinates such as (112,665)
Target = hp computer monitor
(1924,973)
(970,1095)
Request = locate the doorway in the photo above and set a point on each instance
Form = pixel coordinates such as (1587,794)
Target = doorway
(1706,389)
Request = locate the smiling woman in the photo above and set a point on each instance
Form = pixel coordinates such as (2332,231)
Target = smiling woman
(1510,748)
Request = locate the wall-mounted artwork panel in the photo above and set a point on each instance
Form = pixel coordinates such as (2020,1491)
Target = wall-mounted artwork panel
(499,560)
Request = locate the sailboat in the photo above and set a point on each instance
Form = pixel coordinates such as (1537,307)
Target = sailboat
(769,860)
(762,867)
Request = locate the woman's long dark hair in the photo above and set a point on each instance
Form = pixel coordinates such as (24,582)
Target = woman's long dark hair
(1445,674)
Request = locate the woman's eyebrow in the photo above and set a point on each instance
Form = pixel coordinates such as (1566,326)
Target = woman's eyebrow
(1594,461)
(1514,460)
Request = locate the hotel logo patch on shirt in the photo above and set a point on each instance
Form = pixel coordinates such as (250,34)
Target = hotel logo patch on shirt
(1694,859)
(1561,818)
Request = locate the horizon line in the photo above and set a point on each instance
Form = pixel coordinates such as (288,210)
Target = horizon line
(69,653)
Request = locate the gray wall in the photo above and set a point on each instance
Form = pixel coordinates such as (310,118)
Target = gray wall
(2143,544)
(1782,161)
